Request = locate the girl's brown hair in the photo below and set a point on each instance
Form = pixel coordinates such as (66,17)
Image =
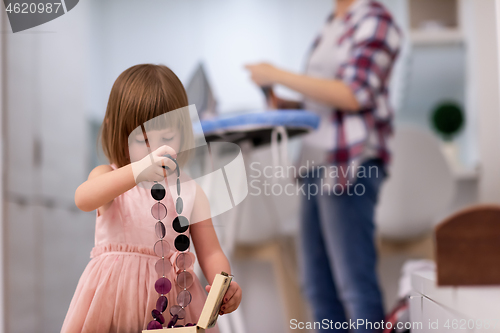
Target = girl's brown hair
(141,93)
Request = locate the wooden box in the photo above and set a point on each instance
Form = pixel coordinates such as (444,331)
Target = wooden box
(468,247)
(210,311)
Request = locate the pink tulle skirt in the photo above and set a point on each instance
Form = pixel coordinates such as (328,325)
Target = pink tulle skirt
(116,293)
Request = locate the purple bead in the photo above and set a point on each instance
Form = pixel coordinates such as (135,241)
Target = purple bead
(177,311)
(163,285)
(185,279)
(163,266)
(161,248)
(153,325)
(184,298)
(189,324)
(158,316)
(183,260)
(161,303)
(179,205)
(160,229)
(159,211)
(172,321)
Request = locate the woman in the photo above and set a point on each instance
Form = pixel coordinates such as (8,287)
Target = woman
(346,83)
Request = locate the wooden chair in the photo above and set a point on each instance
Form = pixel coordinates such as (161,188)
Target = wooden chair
(468,247)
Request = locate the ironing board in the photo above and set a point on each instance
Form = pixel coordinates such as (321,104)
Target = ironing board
(257,126)
(249,131)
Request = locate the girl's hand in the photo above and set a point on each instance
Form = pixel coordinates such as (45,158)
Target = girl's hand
(263,74)
(231,299)
(150,167)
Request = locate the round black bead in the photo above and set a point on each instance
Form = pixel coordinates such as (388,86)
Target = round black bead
(158,192)
(181,243)
(180,224)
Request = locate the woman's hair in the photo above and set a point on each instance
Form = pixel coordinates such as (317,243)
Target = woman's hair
(139,94)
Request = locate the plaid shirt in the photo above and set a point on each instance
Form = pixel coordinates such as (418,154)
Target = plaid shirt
(366,51)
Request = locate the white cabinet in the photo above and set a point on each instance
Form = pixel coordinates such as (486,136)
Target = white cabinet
(47,240)
(453,309)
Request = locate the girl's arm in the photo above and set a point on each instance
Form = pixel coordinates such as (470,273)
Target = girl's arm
(102,186)
(105,184)
(210,255)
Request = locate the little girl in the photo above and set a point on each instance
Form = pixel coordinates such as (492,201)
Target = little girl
(116,292)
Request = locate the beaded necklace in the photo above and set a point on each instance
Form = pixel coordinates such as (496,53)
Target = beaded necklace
(181,243)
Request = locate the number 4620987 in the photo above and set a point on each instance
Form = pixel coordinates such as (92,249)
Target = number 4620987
(470,324)
(32,8)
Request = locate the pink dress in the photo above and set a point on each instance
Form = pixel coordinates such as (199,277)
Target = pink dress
(116,293)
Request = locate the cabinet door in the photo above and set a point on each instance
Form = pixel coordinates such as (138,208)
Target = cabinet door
(47,239)
(416,313)
(437,318)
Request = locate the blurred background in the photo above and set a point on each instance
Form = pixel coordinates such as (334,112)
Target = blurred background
(56,80)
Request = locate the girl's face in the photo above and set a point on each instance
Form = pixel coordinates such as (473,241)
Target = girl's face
(156,138)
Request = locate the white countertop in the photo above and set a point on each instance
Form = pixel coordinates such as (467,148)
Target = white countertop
(476,302)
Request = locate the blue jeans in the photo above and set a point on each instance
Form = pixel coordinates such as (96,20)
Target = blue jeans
(337,253)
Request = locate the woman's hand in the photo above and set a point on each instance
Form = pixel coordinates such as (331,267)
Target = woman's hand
(263,74)
(231,299)
(288,104)
(332,92)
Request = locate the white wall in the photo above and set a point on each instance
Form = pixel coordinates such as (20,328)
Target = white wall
(486,95)
(224,34)
(3,27)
